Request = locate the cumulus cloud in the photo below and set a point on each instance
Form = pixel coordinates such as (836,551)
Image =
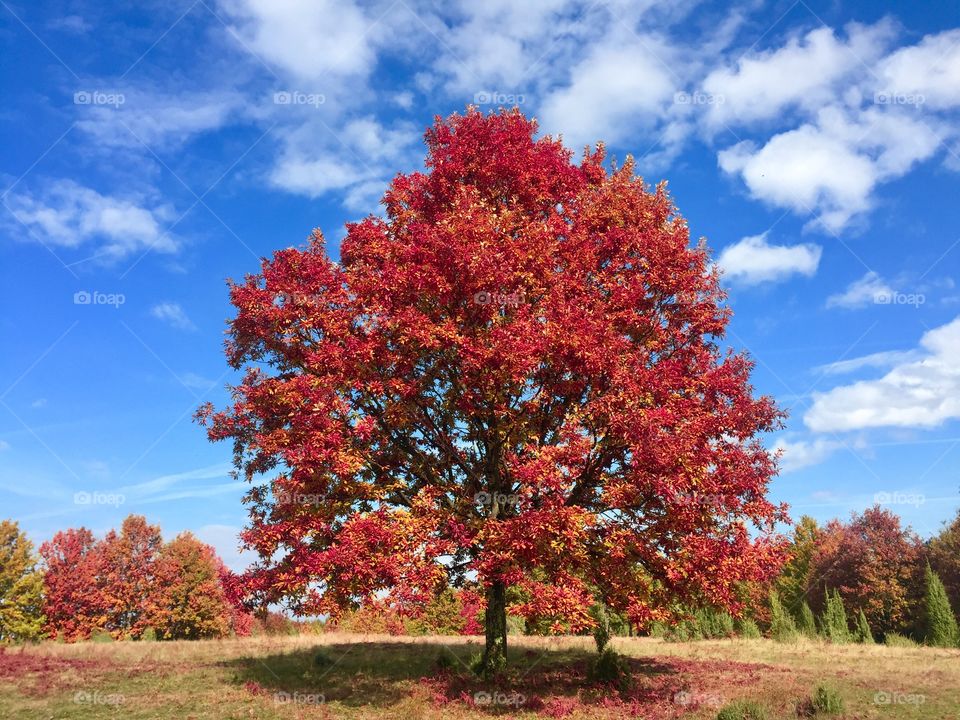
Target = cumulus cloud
(753,260)
(868,290)
(70,215)
(173,315)
(799,454)
(930,69)
(804,73)
(923,391)
(831,167)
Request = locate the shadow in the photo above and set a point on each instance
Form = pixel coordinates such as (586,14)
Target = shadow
(381,674)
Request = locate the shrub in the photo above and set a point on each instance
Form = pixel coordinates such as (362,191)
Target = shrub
(898,640)
(827,701)
(742,710)
(833,623)
(712,623)
(601,633)
(863,633)
(782,627)
(747,628)
(940,625)
(609,668)
(806,623)
(101,636)
(659,629)
(322,659)
(149,635)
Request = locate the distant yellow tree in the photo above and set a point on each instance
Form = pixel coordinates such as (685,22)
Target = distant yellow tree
(21,586)
(189,602)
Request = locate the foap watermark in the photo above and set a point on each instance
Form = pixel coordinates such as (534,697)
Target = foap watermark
(95,697)
(295,498)
(298,298)
(98,498)
(298,698)
(899,298)
(686,698)
(499,499)
(99,97)
(887,697)
(513,299)
(895,98)
(698,98)
(492,97)
(484,698)
(95,297)
(899,498)
(295,97)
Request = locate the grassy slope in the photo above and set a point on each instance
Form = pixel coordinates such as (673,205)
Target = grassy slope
(383,677)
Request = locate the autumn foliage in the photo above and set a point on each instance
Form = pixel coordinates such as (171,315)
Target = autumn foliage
(130,582)
(514,375)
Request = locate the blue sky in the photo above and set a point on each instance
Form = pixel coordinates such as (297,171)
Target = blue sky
(151,152)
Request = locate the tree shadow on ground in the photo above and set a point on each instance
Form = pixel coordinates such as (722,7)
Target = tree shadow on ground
(382,674)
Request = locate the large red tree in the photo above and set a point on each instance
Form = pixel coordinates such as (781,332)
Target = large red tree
(513,375)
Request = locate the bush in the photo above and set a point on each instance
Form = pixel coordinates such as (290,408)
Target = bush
(610,668)
(826,701)
(659,629)
(601,633)
(833,622)
(806,623)
(101,636)
(747,628)
(863,632)
(940,625)
(742,710)
(897,640)
(712,623)
(782,627)
(322,659)
(149,635)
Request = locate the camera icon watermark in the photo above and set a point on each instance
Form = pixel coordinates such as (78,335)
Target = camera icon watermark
(895,98)
(298,698)
(95,697)
(513,299)
(899,498)
(296,97)
(899,298)
(492,97)
(95,297)
(500,499)
(99,97)
(484,698)
(98,498)
(698,98)
(886,697)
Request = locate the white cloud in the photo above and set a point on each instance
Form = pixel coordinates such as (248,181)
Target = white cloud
(804,453)
(884,359)
(4,445)
(620,89)
(71,215)
(866,291)
(309,39)
(923,391)
(930,68)
(752,260)
(832,167)
(804,74)
(172,314)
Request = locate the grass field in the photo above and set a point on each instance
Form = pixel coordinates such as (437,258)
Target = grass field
(354,676)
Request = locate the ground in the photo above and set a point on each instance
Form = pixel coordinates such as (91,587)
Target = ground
(369,676)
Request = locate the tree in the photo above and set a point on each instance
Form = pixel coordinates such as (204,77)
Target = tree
(833,623)
(795,578)
(21,586)
(127,582)
(943,552)
(939,621)
(514,374)
(782,626)
(73,603)
(807,623)
(863,633)
(189,600)
(875,565)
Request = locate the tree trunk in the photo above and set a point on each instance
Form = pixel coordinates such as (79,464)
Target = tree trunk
(495,625)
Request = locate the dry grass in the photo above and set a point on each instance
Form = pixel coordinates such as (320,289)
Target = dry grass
(376,676)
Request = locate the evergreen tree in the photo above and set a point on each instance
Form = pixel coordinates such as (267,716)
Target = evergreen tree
(833,622)
(941,624)
(863,632)
(807,624)
(782,626)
